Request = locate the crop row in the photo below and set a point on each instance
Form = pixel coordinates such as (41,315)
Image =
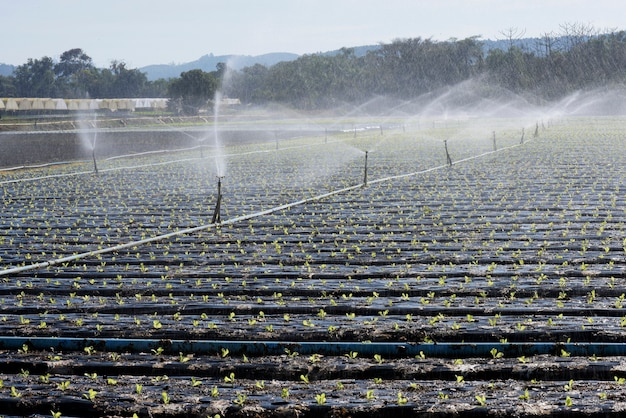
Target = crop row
(521,245)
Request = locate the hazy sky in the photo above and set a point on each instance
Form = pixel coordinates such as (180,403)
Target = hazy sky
(143,32)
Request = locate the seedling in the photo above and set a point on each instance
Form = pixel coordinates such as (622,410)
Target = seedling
(496,354)
(15,393)
(352,355)
(525,396)
(230,379)
(241,399)
(91,394)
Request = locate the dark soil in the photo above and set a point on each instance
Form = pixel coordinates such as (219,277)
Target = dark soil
(512,252)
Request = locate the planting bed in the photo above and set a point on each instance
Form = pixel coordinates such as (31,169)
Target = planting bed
(491,287)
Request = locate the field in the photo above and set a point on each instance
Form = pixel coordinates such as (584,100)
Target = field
(491,286)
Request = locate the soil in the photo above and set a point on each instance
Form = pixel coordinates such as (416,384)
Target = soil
(511,253)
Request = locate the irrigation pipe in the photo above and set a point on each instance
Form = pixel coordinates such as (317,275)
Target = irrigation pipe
(23,167)
(275,348)
(237,219)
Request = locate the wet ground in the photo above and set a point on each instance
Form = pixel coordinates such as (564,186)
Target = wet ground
(492,287)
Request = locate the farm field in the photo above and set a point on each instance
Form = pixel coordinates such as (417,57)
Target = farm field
(494,286)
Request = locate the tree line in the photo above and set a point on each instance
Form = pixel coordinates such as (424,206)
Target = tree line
(74,76)
(552,67)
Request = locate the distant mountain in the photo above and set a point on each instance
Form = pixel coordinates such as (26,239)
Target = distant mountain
(359,51)
(209,63)
(6,69)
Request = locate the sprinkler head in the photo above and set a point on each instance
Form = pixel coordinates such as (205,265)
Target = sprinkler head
(365,170)
(216,213)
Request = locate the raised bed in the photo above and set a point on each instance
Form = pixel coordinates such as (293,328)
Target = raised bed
(495,286)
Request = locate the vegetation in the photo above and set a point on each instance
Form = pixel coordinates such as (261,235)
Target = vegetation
(557,64)
(405,69)
(75,76)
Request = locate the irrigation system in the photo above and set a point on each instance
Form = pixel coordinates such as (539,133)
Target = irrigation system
(216,218)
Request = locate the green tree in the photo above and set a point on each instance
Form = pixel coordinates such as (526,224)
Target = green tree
(7,86)
(75,73)
(192,91)
(126,82)
(250,84)
(36,78)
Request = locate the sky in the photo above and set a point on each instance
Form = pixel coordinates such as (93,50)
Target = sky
(145,32)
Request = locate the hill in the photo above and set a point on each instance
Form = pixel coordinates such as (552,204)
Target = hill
(209,62)
(6,69)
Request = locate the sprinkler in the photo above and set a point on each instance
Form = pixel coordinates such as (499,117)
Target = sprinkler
(448,159)
(521,141)
(365,171)
(93,151)
(216,213)
(95,164)
(495,147)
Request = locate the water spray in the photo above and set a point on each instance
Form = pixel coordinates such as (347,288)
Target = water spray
(365,171)
(495,147)
(216,213)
